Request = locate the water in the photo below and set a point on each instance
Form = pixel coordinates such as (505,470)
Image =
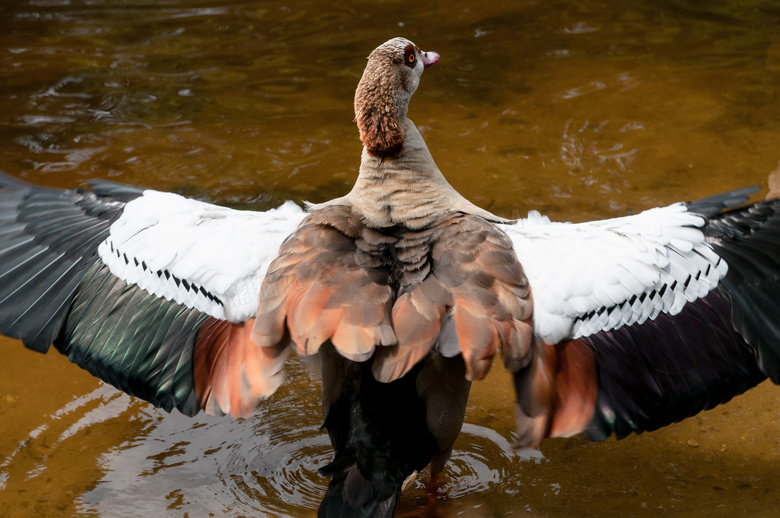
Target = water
(583,109)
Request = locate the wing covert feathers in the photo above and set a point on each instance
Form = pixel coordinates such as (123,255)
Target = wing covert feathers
(601,275)
(396,295)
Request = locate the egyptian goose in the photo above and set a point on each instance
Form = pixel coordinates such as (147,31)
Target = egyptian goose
(405,291)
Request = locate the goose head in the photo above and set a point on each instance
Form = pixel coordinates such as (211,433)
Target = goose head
(382,98)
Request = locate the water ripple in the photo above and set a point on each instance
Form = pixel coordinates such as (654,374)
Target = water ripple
(266,465)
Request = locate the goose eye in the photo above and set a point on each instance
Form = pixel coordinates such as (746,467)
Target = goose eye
(410,56)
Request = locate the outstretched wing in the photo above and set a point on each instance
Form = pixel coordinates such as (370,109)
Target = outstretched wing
(653,317)
(601,275)
(150,291)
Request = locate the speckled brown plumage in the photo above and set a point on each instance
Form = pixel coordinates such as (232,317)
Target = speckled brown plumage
(382,99)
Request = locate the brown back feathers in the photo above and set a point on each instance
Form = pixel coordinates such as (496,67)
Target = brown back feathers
(456,285)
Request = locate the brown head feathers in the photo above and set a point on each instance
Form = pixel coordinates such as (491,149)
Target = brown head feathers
(382,97)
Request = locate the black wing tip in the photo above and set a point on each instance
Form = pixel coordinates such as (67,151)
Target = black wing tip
(8,181)
(115,190)
(49,238)
(102,188)
(712,205)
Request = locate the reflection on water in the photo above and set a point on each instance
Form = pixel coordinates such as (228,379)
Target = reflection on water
(580,109)
(262,466)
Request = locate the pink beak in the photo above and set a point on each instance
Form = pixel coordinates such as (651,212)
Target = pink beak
(429,58)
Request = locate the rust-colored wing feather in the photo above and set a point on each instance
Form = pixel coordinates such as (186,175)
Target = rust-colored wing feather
(231,371)
(473,299)
(329,283)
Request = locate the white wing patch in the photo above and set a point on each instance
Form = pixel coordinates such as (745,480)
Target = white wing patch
(201,255)
(585,277)
(598,276)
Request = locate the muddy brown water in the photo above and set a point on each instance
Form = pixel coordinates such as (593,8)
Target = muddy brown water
(580,109)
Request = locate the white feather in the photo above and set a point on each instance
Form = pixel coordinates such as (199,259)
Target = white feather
(224,251)
(584,276)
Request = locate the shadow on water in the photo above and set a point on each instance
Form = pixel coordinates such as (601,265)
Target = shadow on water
(584,109)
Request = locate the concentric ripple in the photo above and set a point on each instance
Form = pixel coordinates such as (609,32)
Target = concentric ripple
(262,466)
(266,465)
(482,460)
(279,474)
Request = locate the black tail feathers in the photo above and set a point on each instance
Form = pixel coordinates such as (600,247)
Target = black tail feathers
(380,433)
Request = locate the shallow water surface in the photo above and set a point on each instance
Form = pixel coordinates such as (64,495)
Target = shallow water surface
(582,109)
